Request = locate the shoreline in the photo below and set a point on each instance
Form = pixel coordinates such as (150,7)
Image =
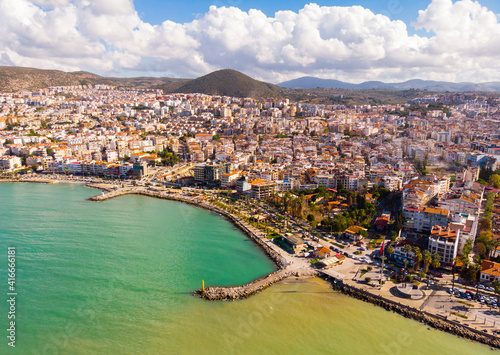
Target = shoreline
(232,293)
(432,320)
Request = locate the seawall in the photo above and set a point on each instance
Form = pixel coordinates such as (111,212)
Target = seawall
(37,181)
(431,320)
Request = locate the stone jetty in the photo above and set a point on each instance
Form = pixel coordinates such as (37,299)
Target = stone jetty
(244,291)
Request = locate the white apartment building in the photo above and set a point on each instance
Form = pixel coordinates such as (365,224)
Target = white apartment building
(10,162)
(444,241)
(229,180)
(328,181)
(422,219)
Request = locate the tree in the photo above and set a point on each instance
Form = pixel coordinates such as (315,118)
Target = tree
(398,223)
(310,218)
(481,249)
(390,249)
(134,182)
(417,258)
(427,258)
(286,200)
(368,279)
(482,182)
(495,181)
(406,262)
(435,261)
(469,272)
(496,286)
(361,201)
(467,249)
(421,275)
(297,206)
(491,245)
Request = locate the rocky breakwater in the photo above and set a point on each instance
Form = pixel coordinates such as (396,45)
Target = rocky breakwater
(432,320)
(245,291)
(109,194)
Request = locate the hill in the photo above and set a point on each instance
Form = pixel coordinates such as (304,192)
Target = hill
(309,82)
(15,79)
(228,82)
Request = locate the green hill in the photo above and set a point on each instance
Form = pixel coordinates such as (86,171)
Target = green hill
(228,82)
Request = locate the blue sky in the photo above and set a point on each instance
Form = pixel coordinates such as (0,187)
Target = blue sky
(157,11)
(388,40)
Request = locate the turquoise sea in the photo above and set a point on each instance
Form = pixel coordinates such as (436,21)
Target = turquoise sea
(117,277)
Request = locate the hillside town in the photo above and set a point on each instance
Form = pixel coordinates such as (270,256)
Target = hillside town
(418,181)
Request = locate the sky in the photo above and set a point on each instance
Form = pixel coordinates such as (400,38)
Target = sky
(349,40)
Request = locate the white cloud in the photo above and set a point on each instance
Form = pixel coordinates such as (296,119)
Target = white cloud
(348,43)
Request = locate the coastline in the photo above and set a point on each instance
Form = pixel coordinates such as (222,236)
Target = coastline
(233,293)
(247,290)
(432,320)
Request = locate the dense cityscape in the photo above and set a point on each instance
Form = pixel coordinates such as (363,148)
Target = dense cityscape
(391,193)
(250,177)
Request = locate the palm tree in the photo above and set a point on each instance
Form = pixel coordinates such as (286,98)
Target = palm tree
(435,261)
(491,245)
(297,206)
(406,261)
(496,286)
(427,260)
(421,275)
(417,258)
(390,249)
(473,272)
(477,270)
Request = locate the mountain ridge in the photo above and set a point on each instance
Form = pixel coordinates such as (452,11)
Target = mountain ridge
(226,82)
(309,82)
